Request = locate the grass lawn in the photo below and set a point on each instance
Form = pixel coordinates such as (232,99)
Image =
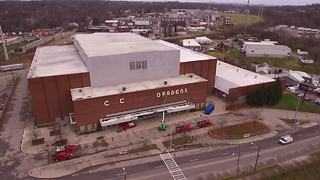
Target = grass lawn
(292,123)
(239,19)
(200,33)
(216,54)
(289,102)
(176,142)
(306,172)
(290,63)
(310,171)
(239,130)
(25,58)
(246,174)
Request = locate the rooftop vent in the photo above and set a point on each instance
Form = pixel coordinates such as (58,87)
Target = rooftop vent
(190,75)
(165,82)
(79,90)
(124,88)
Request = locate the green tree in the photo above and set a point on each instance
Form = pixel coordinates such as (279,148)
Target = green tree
(258,97)
(315,51)
(275,93)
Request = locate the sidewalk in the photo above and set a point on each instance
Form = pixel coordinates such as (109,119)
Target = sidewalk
(136,137)
(65,168)
(145,129)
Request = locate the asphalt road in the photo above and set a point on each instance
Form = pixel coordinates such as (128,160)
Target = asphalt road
(212,160)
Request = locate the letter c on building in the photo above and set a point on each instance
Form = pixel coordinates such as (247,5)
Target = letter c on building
(106,103)
(121,100)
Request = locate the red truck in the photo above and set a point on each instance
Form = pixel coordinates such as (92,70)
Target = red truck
(127,125)
(183,128)
(204,123)
(63,152)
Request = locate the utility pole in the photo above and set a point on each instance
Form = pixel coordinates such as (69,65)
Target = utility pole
(171,139)
(238,162)
(209,16)
(245,22)
(295,113)
(6,57)
(124,173)
(257,157)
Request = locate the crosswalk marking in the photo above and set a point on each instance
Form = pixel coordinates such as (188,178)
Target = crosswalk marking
(173,167)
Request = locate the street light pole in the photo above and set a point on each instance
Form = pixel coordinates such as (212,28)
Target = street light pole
(238,162)
(295,113)
(171,138)
(164,106)
(258,155)
(124,174)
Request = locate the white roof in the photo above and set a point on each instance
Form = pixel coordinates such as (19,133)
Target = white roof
(111,21)
(229,76)
(104,44)
(56,60)
(300,73)
(295,76)
(190,43)
(259,43)
(303,74)
(203,39)
(187,55)
(92,92)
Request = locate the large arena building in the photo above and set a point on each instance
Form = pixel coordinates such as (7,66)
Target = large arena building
(109,78)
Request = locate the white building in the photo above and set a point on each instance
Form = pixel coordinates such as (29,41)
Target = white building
(139,59)
(266,49)
(191,44)
(229,77)
(299,76)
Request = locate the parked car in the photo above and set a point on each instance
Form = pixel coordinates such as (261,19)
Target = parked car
(127,125)
(317,101)
(208,110)
(286,139)
(63,152)
(67,147)
(183,128)
(204,123)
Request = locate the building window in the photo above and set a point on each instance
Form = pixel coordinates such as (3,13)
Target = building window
(132,65)
(144,64)
(138,65)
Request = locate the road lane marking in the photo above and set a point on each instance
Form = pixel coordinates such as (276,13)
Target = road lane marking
(161,166)
(192,160)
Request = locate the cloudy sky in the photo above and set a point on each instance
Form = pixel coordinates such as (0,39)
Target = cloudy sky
(272,2)
(266,2)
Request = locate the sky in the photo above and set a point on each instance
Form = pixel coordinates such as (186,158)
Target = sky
(266,2)
(272,2)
